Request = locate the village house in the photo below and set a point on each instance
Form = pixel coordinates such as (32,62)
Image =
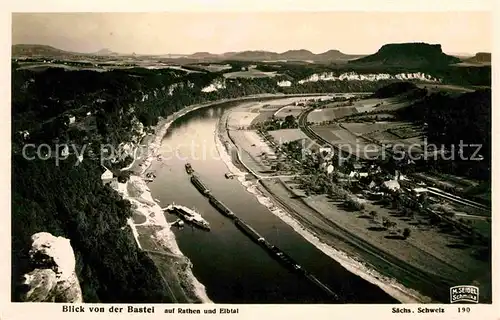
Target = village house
(107,175)
(391,185)
(418,191)
(394,184)
(65,151)
(25,134)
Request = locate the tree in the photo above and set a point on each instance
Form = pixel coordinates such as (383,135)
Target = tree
(289,121)
(353,203)
(406,233)
(385,222)
(424,200)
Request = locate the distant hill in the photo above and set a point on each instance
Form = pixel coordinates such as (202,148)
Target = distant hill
(297,55)
(203,55)
(253,55)
(106,52)
(480,57)
(462,55)
(250,55)
(332,55)
(408,55)
(259,55)
(37,50)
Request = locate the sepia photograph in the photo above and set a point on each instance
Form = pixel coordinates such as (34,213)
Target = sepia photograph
(328,157)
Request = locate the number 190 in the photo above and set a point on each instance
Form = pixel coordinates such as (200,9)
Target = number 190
(464,310)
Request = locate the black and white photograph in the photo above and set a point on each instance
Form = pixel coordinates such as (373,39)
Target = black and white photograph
(251,158)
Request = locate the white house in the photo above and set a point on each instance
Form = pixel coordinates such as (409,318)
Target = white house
(328,154)
(285,83)
(419,190)
(392,185)
(107,175)
(357,166)
(25,134)
(329,169)
(80,158)
(65,151)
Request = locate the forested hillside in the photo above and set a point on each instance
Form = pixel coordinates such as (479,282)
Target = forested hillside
(452,120)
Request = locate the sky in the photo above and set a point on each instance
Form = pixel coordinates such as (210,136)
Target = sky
(189,32)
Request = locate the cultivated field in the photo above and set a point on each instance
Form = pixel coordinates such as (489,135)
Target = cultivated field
(263,116)
(43,67)
(287,135)
(356,136)
(213,67)
(289,110)
(279,108)
(444,88)
(363,128)
(289,101)
(252,73)
(460,184)
(329,114)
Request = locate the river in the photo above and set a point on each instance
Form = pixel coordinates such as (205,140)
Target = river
(233,268)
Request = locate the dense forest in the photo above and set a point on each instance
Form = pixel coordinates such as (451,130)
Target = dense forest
(398,89)
(71,201)
(451,120)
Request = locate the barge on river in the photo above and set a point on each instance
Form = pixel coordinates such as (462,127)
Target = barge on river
(220,206)
(200,185)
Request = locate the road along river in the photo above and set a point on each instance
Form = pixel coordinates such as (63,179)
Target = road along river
(233,268)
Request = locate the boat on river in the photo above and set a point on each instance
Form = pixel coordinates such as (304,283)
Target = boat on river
(188,215)
(189,168)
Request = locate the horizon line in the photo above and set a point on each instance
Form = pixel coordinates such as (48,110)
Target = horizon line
(245,50)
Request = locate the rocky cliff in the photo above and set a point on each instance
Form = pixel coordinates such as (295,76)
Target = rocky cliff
(409,55)
(480,57)
(53,278)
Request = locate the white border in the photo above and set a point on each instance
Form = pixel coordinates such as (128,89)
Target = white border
(10,310)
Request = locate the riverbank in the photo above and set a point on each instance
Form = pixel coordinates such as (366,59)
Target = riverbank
(330,239)
(151,231)
(154,236)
